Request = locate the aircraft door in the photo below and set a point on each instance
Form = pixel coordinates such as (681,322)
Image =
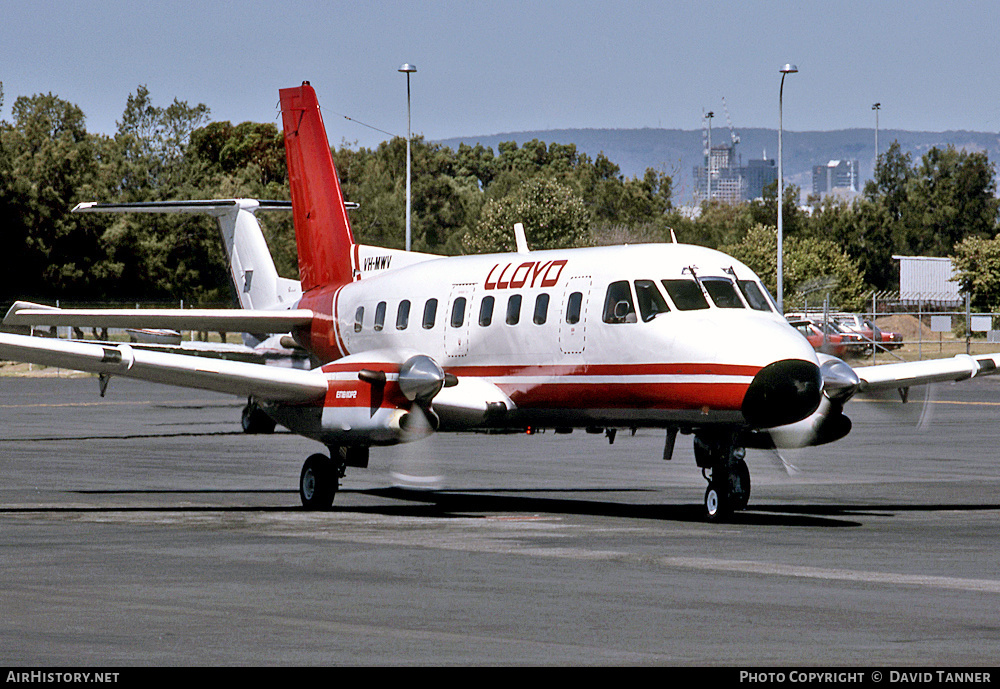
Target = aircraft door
(457,316)
(573,318)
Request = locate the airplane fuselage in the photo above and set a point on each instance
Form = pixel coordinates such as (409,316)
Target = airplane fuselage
(626,336)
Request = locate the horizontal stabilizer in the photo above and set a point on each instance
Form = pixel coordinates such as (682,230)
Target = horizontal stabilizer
(220,320)
(214,207)
(211,207)
(265,383)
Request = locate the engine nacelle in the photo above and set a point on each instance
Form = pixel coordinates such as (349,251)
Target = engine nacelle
(825,425)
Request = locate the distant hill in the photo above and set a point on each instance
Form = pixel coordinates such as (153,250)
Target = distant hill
(677,151)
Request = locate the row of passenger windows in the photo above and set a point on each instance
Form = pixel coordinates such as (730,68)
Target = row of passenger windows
(457,318)
(619,306)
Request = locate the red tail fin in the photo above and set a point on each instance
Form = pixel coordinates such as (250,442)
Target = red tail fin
(322,231)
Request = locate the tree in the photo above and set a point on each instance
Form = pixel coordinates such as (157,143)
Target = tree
(809,263)
(922,210)
(977,271)
(553,217)
(48,161)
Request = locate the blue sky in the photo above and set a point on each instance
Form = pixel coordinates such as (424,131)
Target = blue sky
(492,67)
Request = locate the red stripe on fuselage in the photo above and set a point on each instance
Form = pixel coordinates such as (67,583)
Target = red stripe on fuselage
(666,369)
(628,385)
(661,396)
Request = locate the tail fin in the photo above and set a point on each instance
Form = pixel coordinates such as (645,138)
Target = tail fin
(322,231)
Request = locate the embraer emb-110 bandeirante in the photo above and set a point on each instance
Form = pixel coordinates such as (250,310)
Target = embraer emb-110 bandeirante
(668,336)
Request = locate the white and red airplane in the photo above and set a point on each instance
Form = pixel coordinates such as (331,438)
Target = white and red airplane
(669,336)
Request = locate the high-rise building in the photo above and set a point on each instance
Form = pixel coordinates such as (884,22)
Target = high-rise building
(836,176)
(760,174)
(731,181)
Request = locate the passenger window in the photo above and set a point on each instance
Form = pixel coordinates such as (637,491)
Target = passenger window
(541,308)
(754,297)
(379,316)
(651,302)
(430,313)
(403,315)
(514,309)
(723,293)
(573,307)
(486,311)
(686,294)
(618,306)
(359,318)
(458,313)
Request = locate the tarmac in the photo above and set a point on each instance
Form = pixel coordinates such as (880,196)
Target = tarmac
(144,528)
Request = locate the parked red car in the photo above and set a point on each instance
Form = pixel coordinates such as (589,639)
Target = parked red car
(837,341)
(869,331)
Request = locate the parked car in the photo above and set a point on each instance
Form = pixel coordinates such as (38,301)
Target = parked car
(869,331)
(836,341)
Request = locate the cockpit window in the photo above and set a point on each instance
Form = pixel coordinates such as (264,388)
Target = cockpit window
(686,294)
(723,293)
(618,306)
(651,302)
(753,295)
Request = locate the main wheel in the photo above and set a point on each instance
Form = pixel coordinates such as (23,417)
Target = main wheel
(718,504)
(318,483)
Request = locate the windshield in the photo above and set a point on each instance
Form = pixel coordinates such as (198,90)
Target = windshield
(723,293)
(755,298)
(686,294)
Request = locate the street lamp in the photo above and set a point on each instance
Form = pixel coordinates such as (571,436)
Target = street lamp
(876,108)
(785,71)
(407,69)
(708,168)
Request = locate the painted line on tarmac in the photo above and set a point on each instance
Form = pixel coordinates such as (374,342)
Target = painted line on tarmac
(515,538)
(848,575)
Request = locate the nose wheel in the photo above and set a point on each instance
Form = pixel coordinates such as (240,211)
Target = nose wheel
(727,474)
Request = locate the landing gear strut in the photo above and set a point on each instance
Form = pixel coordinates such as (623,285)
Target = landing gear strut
(255,420)
(723,466)
(319,481)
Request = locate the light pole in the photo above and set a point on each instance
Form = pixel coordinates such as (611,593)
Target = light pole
(708,168)
(876,107)
(785,71)
(407,69)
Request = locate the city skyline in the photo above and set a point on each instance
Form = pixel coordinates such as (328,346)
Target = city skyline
(517,66)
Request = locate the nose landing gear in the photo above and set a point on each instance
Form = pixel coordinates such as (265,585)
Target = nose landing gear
(723,466)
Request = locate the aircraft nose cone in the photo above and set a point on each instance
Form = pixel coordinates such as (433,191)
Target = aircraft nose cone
(783,392)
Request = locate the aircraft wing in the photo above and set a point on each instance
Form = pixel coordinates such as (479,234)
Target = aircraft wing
(269,383)
(24,313)
(908,373)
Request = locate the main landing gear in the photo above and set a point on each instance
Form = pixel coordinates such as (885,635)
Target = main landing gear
(319,482)
(320,477)
(723,466)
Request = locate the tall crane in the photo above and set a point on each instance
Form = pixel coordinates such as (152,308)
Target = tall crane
(729,121)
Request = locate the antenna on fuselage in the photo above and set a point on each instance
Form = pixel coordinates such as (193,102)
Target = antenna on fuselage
(519,238)
(673,237)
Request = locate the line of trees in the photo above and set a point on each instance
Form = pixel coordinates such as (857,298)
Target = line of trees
(464,201)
